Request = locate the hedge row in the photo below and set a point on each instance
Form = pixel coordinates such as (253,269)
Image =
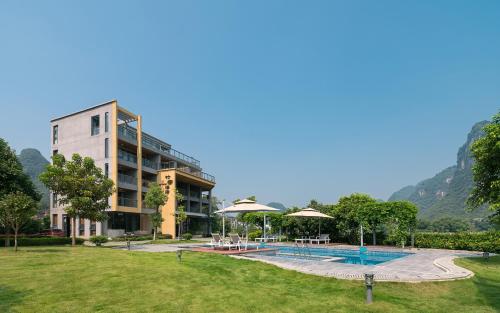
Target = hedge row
(473,241)
(41,241)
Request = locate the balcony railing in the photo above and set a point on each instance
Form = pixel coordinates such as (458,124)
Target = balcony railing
(124,178)
(150,164)
(127,202)
(200,174)
(127,156)
(127,132)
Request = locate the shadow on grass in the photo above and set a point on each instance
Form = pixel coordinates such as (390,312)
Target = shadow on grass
(488,285)
(9,298)
(44,250)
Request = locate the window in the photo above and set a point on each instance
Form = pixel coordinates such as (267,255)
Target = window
(106,169)
(106,148)
(106,122)
(54,152)
(54,220)
(55,134)
(92,228)
(94,124)
(54,200)
(81,226)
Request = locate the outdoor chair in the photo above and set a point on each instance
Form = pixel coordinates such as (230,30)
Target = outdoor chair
(321,238)
(236,241)
(216,241)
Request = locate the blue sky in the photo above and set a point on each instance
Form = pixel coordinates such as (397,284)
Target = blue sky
(287,100)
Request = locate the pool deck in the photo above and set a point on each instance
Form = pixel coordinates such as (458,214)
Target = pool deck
(420,266)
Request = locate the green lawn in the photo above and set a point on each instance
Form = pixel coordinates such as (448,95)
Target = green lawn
(88,279)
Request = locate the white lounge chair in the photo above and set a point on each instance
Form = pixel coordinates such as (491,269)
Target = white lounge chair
(216,241)
(321,238)
(238,242)
(267,239)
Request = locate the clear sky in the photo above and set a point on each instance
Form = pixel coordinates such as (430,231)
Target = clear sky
(285,100)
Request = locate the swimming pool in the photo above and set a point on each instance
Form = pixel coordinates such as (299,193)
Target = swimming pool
(347,256)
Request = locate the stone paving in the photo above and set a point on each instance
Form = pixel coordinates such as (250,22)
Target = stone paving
(421,265)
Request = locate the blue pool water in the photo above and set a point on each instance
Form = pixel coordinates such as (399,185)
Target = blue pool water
(335,255)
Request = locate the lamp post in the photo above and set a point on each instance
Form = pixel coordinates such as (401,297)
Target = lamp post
(179,255)
(369,287)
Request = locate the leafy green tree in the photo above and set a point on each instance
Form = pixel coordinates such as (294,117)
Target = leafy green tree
(373,217)
(401,221)
(17,208)
(180,215)
(81,186)
(155,197)
(486,169)
(13,179)
(348,214)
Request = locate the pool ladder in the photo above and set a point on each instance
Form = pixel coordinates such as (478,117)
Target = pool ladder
(302,250)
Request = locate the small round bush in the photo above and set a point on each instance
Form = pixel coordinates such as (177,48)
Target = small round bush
(98,240)
(187,236)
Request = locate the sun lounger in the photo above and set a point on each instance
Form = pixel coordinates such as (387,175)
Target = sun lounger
(235,240)
(216,241)
(321,238)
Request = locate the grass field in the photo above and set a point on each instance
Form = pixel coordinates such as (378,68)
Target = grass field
(88,279)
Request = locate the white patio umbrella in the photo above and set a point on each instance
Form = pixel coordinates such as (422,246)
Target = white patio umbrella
(245,206)
(310,213)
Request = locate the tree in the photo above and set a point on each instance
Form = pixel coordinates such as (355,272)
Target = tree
(486,169)
(347,213)
(13,179)
(401,220)
(180,215)
(17,208)
(155,197)
(81,187)
(373,216)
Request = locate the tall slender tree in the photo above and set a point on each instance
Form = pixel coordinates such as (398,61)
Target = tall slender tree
(13,179)
(18,208)
(155,197)
(82,188)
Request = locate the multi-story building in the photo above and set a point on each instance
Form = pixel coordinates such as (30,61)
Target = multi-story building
(113,137)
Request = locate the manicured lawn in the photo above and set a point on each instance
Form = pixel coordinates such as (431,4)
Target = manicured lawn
(88,279)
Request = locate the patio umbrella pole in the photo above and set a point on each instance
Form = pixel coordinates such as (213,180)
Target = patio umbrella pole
(264,227)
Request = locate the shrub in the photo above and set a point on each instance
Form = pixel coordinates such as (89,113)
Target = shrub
(166,236)
(254,234)
(187,236)
(474,241)
(98,240)
(142,238)
(41,241)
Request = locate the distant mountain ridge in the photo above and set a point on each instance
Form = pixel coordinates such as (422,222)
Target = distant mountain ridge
(34,163)
(446,193)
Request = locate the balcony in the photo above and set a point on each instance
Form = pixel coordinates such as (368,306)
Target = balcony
(150,164)
(132,203)
(127,156)
(127,179)
(188,170)
(127,133)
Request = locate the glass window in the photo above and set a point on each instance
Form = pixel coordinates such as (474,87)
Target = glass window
(106,169)
(54,200)
(106,148)
(94,124)
(81,226)
(55,134)
(54,220)
(92,228)
(106,122)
